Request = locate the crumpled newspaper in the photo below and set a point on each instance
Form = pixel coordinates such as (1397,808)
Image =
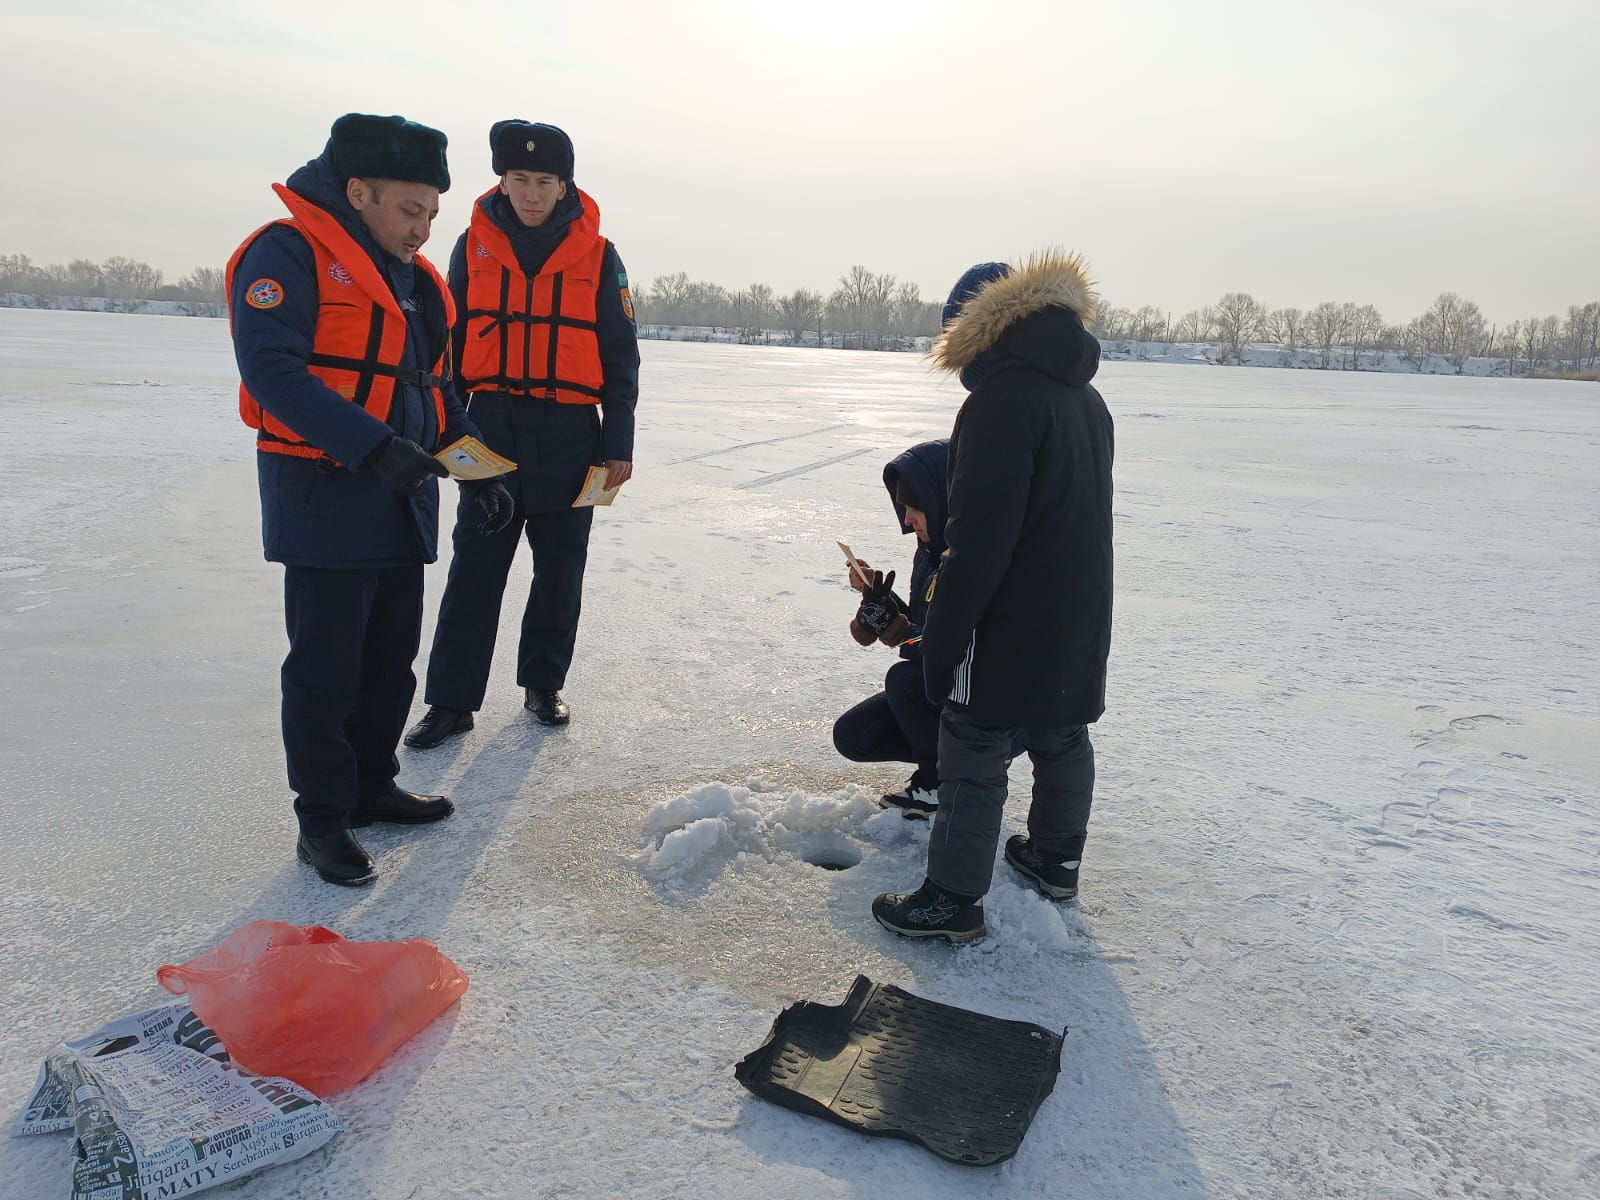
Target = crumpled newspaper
(159,1111)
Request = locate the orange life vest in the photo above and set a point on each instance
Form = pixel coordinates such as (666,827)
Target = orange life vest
(360,338)
(534,337)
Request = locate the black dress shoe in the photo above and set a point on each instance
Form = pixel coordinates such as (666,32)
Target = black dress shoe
(548,706)
(400,807)
(437,724)
(337,857)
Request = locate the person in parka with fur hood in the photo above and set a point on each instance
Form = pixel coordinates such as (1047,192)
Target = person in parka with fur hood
(1019,626)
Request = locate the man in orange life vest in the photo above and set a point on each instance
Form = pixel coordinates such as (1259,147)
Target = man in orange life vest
(547,348)
(341,333)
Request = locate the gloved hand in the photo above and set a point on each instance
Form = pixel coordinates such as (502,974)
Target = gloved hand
(404,465)
(497,505)
(880,607)
(937,681)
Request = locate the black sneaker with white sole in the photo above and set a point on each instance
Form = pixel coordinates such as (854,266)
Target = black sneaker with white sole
(1054,877)
(919,799)
(931,912)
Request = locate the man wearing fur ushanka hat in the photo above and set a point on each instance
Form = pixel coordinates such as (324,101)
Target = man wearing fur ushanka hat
(1019,625)
(341,332)
(547,348)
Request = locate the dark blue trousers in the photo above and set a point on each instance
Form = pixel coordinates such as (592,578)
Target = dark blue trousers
(347,685)
(896,725)
(972,796)
(469,613)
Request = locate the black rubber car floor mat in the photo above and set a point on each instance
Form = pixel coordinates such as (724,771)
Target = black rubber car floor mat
(891,1064)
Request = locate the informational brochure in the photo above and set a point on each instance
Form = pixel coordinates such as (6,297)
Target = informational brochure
(594,490)
(468,458)
(855,565)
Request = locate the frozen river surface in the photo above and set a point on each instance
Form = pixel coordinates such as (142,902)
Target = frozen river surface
(1338,933)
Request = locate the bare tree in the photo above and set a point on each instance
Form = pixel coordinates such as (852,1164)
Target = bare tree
(1195,326)
(863,304)
(798,311)
(1238,317)
(128,279)
(1288,325)
(1325,328)
(1454,328)
(1364,329)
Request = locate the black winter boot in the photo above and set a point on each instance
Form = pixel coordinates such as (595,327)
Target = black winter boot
(919,799)
(400,807)
(1053,876)
(931,912)
(547,706)
(437,724)
(337,857)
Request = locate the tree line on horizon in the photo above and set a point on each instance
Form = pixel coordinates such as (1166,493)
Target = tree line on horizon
(118,279)
(868,310)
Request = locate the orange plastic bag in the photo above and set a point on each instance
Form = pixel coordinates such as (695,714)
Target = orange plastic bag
(302,1002)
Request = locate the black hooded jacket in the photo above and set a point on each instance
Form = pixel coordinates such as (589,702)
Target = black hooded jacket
(923,467)
(1022,605)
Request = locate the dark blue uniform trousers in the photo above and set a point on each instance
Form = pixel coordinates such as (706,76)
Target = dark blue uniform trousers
(469,614)
(347,685)
(899,724)
(972,795)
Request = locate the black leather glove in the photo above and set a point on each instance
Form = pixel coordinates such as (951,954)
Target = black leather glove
(879,605)
(404,465)
(497,505)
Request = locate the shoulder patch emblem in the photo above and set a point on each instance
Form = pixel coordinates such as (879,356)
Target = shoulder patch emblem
(622,279)
(264,293)
(627,303)
(337,273)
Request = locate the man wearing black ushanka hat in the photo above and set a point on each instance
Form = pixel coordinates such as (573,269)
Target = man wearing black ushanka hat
(547,350)
(339,328)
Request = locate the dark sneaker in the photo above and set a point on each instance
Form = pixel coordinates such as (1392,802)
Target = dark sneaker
(548,706)
(1052,876)
(437,724)
(400,807)
(337,857)
(930,912)
(918,800)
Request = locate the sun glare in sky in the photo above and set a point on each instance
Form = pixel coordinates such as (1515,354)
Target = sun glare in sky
(844,22)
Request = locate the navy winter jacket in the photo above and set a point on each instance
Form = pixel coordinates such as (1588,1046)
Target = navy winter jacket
(553,444)
(923,468)
(346,517)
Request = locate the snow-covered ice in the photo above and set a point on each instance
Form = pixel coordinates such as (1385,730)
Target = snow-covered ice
(1338,932)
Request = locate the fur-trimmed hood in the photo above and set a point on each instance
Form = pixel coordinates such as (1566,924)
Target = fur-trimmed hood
(1045,284)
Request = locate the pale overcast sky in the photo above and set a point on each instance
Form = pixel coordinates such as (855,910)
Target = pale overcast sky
(1379,151)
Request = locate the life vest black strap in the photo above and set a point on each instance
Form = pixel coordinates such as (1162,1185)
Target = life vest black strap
(368,368)
(497,319)
(502,383)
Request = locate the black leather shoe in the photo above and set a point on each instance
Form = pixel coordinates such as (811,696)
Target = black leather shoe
(549,707)
(437,724)
(400,807)
(338,858)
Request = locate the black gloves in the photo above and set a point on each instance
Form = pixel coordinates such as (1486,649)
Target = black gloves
(497,505)
(404,465)
(880,607)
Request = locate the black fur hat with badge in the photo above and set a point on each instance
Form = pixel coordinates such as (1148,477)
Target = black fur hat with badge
(367,147)
(531,146)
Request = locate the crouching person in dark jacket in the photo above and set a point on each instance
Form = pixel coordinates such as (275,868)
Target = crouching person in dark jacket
(900,723)
(340,330)
(1019,624)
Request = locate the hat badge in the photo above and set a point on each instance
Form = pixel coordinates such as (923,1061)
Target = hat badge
(530,143)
